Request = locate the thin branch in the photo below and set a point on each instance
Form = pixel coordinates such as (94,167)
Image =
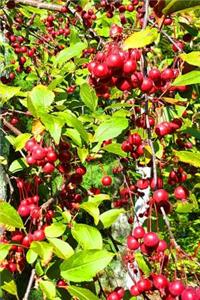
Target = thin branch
(30,283)
(10,126)
(166,35)
(41,5)
(168,227)
(146,16)
(45,205)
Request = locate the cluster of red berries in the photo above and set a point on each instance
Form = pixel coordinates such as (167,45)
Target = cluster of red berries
(115,67)
(15,260)
(117,294)
(56,27)
(40,156)
(177,176)
(168,290)
(165,128)
(133,144)
(87,16)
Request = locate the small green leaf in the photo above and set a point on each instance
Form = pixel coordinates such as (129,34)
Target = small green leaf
(74,135)
(88,96)
(55,230)
(20,141)
(115,148)
(177,6)
(81,293)
(11,288)
(55,82)
(7,92)
(9,216)
(4,250)
(82,153)
(92,209)
(61,248)
(142,263)
(43,249)
(87,236)
(110,216)
(70,52)
(192,158)
(84,265)
(40,100)
(48,288)
(192,77)
(110,128)
(53,124)
(31,256)
(192,58)
(56,184)
(18,165)
(141,39)
(193,132)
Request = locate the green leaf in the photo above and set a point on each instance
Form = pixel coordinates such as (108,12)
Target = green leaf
(55,82)
(56,184)
(192,158)
(48,288)
(70,52)
(55,230)
(82,153)
(61,248)
(191,29)
(87,236)
(72,121)
(9,216)
(88,96)
(110,128)
(192,77)
(141,38)
(184,208)
(20,141)
(11,288)
(53,124)
(98,199)
(74,135)
(192,58)
(92,209)
(7,92)
(177,5)
(81,293)
(192,131)
(18,165)
(43,249)
(142,263)
(110,216)
(31,256)
(115,148)
(4,250)
(40,100)
(84,265)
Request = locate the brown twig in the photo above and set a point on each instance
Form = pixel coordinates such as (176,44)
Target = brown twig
(41,5)
(45,205)
(10,126)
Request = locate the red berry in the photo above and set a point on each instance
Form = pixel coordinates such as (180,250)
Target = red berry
(61,283)
(151,239)
(120,291)
(129,66)
(176,287)
(48,168)
(38,235)
(146,85)
(181,193)
(143,285)
(162,246)
(189,294)
(154,74)
(27,241)
(124,84)
(134,291)
(160,196)
(23,210)
(167,74)
(81,170)
(115,61)
(51,156)
(135,139)
(132,243)
(138,232)
(106,180)
(160,281)
(38,153)
(100,70)
(113,296)
(12,267)
(162,129)
(126,146)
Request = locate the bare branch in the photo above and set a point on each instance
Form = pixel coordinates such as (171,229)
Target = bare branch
(38,4)
(30,283)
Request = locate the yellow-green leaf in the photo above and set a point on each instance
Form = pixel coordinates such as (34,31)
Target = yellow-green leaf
(141,39)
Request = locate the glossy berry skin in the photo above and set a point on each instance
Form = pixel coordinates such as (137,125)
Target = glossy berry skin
(138,232)
(129,66)
(189,294)
(154,74)
(113,296)
(162,246)
(126,146)
(151,239)
(143,285)
(132,243)
(146,85)
(106,180)
(61,284)
(100,70)
(176,287)
(134,291)
(51,156)
(120,291)
(181,193)
(24,211)
(160,196)
(162,129)
(48,168)
(160,281)
(167,74)
(115,61)
(38,235)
